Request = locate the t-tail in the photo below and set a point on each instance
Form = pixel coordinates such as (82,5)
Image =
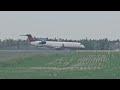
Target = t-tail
(30,38)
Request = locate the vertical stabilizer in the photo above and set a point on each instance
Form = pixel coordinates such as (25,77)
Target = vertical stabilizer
(30,38)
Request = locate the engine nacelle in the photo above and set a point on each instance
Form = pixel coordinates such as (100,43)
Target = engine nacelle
(42,42)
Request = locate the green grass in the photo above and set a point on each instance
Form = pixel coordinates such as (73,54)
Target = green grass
(78,65)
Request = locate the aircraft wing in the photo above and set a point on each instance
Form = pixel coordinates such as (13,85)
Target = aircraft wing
(58,47)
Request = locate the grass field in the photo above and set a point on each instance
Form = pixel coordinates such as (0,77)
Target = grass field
(59,65)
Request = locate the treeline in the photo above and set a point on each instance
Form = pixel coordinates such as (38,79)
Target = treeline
(90,44)
(14,44)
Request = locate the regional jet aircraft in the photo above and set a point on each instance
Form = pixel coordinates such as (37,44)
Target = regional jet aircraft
(54,44)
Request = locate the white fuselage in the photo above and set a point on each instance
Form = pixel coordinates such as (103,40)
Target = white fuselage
(56,44)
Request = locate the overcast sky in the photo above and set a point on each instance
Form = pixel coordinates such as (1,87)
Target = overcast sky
(60,24)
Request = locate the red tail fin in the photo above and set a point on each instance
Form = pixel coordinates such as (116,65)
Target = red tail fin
(30,38)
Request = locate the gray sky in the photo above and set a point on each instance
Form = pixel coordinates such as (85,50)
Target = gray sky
(60,24)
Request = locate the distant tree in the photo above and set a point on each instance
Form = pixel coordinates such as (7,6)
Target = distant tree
(55,39)
(0,43)
(65,40)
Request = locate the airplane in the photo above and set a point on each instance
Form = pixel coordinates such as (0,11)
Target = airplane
(53,44)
